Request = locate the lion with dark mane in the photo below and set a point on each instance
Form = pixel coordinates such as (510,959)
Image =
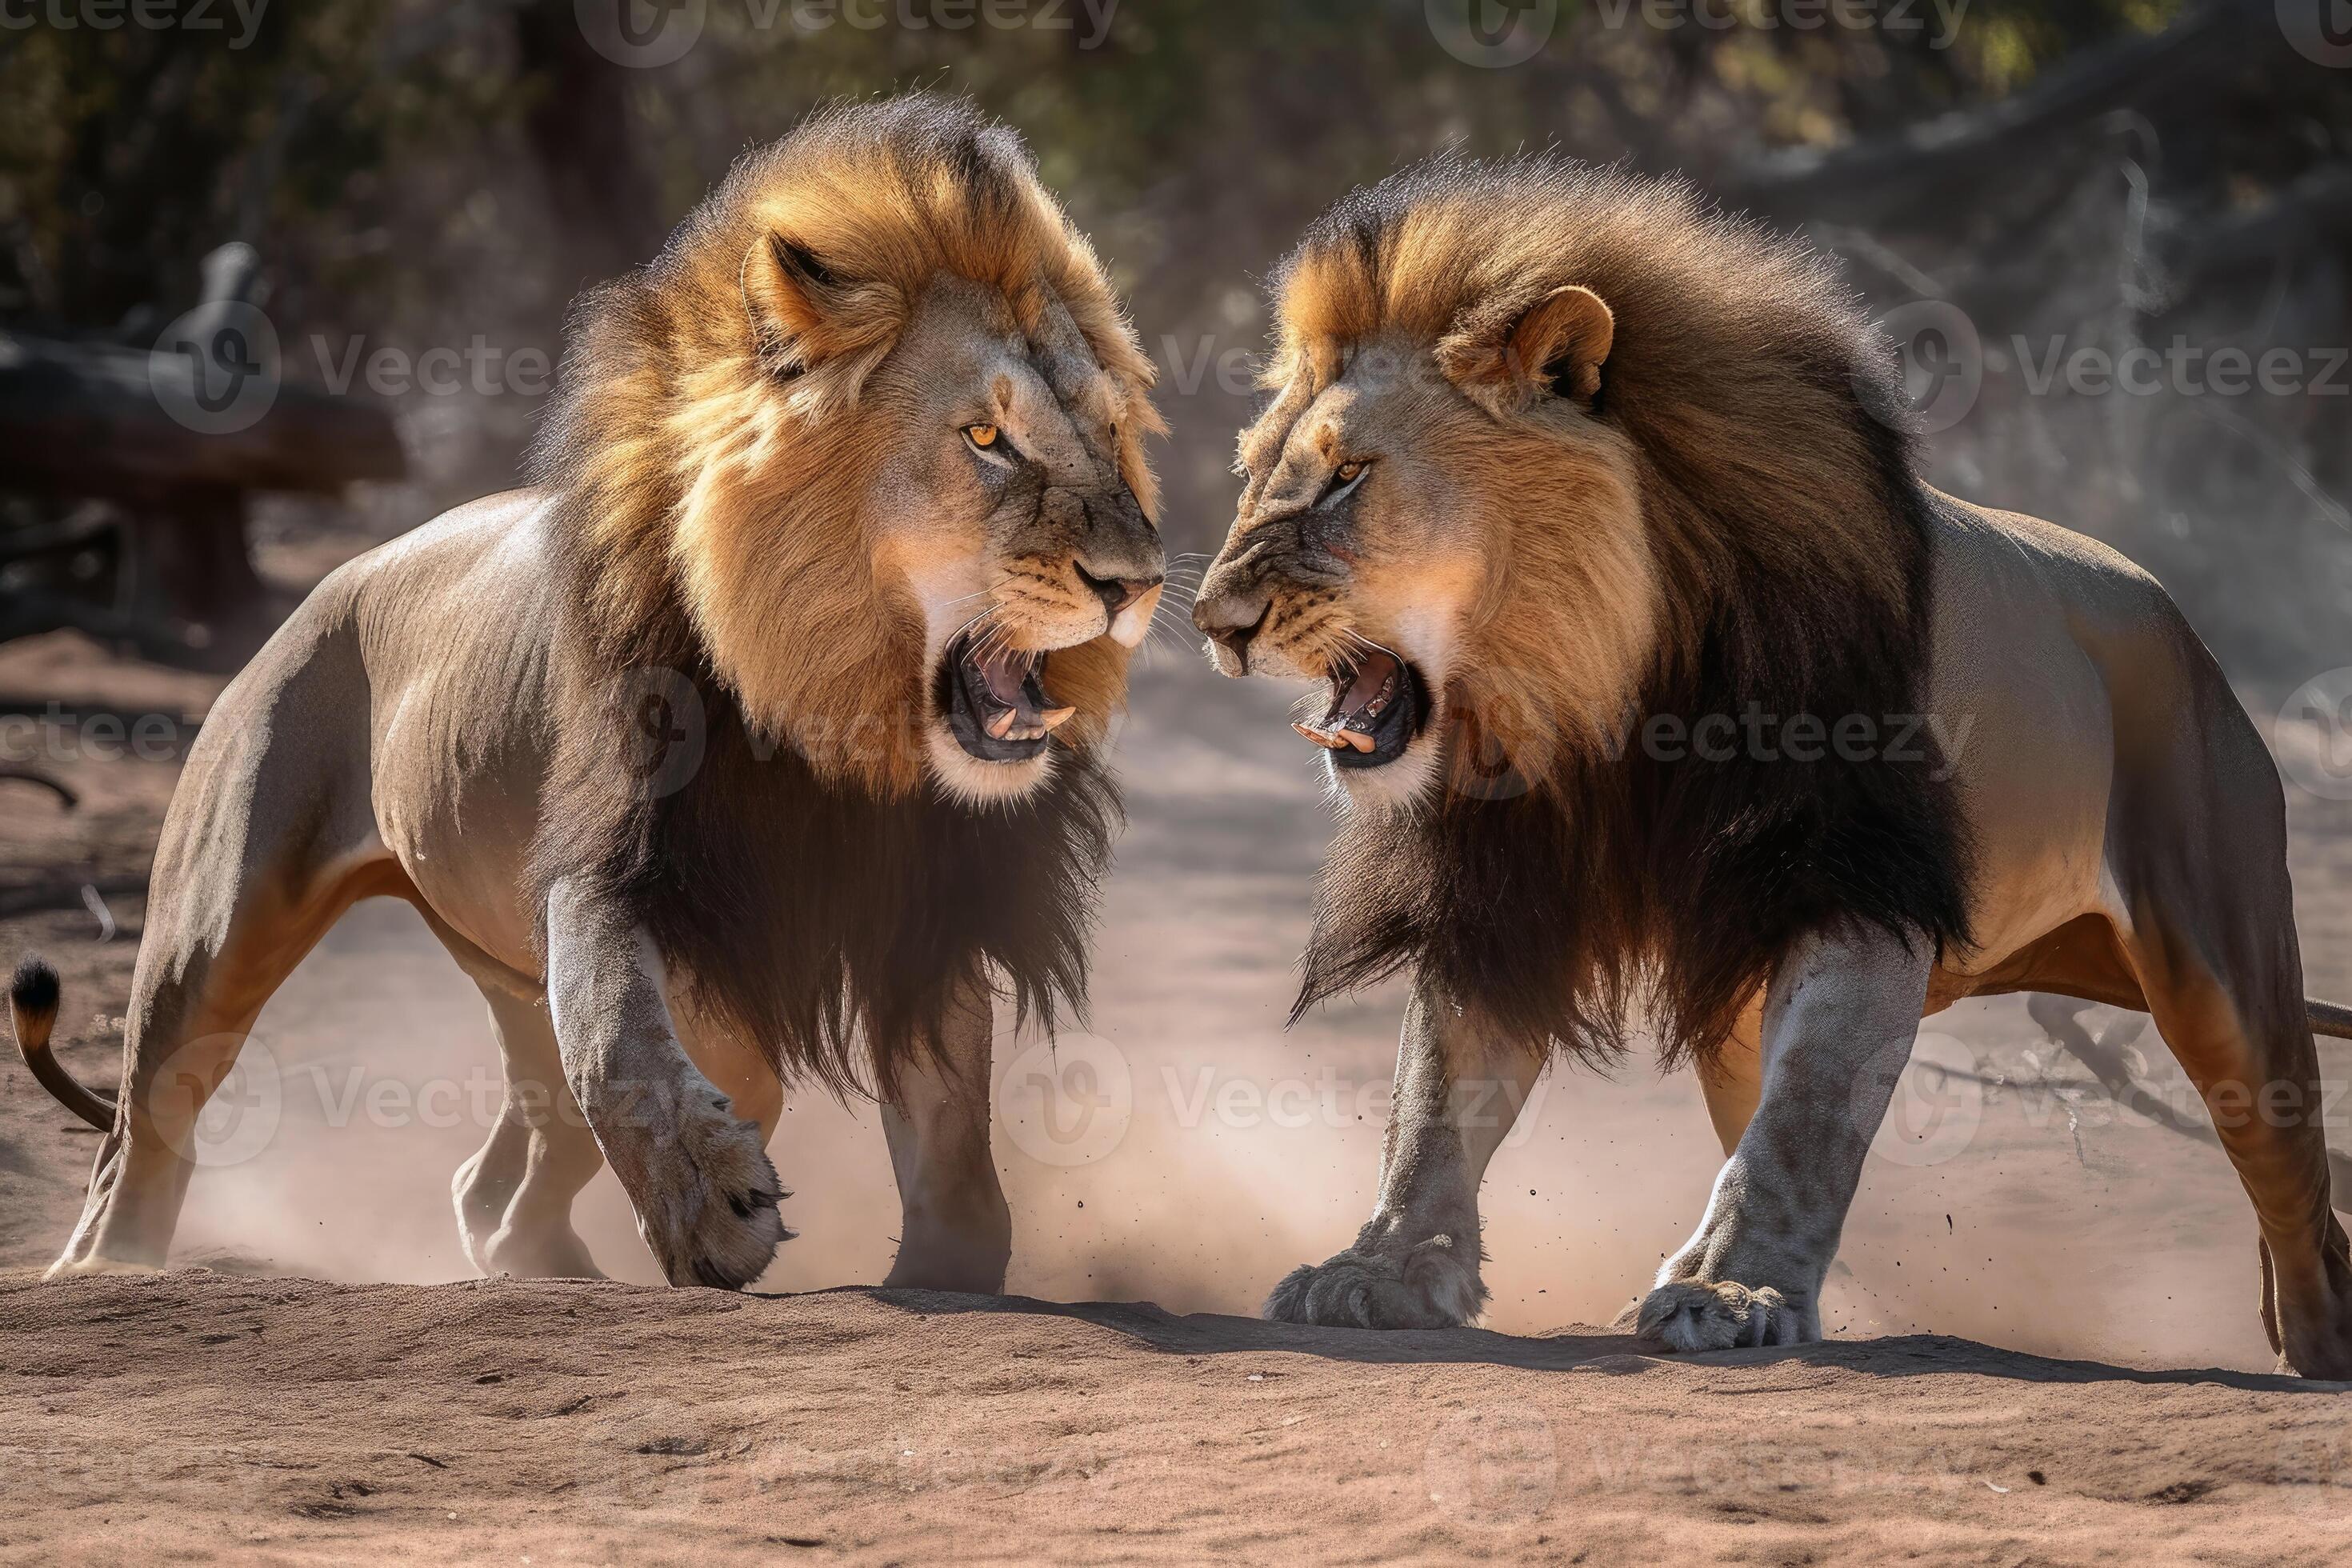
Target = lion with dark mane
(760,741)
(1658,687)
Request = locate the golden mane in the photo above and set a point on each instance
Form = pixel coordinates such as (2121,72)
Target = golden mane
(740,671)
(1791,563)
(713,458)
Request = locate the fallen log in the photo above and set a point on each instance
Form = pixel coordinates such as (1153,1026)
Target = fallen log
(90,419)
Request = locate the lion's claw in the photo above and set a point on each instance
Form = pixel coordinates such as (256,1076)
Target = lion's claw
(722,1225)
(1431,1286)
(1698,1315)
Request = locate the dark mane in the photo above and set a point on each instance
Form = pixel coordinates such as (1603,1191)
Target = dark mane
(828,926)
(1793,542)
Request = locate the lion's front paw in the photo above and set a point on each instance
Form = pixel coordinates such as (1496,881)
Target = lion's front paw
(715,1202)
(1697,1315)
(1431,1286)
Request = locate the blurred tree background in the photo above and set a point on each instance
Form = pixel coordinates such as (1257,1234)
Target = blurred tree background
(2099,174)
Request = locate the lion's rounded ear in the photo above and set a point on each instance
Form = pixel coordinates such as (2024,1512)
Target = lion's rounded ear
(791,297)
(1557,345)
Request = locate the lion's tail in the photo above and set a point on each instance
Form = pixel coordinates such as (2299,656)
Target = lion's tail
(33,1009)
(2329,1019)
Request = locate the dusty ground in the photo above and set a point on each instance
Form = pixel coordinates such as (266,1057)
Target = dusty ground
(273,1420)
(1199,1153)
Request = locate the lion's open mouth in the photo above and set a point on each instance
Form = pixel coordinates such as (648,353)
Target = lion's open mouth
(994,702)
(1376,708)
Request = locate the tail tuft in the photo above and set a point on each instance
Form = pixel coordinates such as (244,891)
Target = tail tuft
(34,992)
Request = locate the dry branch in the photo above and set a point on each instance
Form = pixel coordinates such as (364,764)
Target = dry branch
(1926,162)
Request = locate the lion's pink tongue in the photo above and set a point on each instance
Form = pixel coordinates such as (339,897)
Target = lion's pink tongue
(1357,706)
(1005,673)
(1004,670)
(1375,683)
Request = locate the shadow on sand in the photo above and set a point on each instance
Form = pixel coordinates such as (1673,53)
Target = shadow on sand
(1578,1345)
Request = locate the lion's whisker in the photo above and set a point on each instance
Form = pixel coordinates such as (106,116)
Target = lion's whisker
(1168,633)
(1174,623)
(998,637)
(973,627)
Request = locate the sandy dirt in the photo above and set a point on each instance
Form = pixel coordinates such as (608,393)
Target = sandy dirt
(1183,1150)
(283,1421)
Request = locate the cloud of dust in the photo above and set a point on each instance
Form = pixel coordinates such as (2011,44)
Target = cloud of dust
(1188,1150)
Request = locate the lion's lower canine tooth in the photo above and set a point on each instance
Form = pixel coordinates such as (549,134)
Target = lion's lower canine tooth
(1358,740)
(1001,724)
(1054,718)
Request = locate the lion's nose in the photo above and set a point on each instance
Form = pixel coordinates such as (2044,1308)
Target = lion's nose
(1231,620)
(1117,593)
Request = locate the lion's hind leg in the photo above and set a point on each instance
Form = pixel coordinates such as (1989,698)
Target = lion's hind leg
(514,1195)
(2201,861)
(197,990)
(2242,1036)
(1732,1080)
(956,1230)
(270,836)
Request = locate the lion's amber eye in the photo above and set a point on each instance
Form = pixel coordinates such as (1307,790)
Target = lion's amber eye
(1347,472)
(981,435)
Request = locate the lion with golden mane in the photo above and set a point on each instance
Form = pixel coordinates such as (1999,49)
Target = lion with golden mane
(1658,685)
(763,739)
